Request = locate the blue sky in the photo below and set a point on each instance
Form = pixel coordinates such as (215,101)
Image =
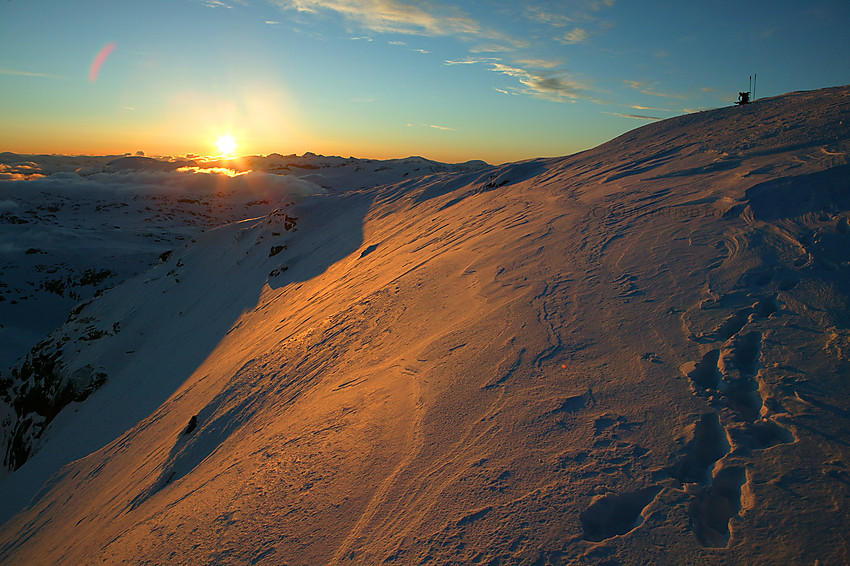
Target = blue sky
(498,81)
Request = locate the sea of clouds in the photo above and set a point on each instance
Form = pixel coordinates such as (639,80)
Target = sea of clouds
(149,177)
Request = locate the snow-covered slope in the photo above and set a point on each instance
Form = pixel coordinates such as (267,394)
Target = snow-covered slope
(636,354)
(72,226)
(66,237)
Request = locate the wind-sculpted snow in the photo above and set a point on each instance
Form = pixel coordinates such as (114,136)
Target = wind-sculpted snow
(638,354)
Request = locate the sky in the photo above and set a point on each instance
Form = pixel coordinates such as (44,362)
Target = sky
(451,81)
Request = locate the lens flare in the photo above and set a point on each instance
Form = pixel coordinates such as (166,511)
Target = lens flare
(99,60)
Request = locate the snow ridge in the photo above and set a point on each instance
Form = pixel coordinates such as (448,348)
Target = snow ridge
(635,354)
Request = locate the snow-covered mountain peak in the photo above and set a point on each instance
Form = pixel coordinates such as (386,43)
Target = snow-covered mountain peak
(583,359)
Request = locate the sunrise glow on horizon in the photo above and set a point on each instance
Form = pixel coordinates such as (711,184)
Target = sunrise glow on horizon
(452,82)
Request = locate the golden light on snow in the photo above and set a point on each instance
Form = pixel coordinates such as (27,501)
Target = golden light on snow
(226,145)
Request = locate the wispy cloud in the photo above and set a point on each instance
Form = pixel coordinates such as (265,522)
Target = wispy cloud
(215,3)
(543,16)
(392,16)
(472,60)
(637,107)
(571,22)
(411,17)
(577,35)
(547,83)
(540,63)
(491,48)
(536,76)
(645,88)
(404,44)
(436,127)
(564,14)
(27,74)
(602,4)
(635,116)
(555,87)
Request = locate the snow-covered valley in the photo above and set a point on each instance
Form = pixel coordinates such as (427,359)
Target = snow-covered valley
(635,354)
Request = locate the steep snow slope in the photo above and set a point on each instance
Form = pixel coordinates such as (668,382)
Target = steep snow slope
(64,238)
(636,354)
(72,226)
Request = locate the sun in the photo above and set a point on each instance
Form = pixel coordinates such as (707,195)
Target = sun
(226,145)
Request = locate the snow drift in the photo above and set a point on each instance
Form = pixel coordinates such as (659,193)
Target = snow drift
(636,354)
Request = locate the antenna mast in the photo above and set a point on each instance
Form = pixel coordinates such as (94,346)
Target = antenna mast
(755,78)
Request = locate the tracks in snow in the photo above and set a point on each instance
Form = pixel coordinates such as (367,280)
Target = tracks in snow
(728,377)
